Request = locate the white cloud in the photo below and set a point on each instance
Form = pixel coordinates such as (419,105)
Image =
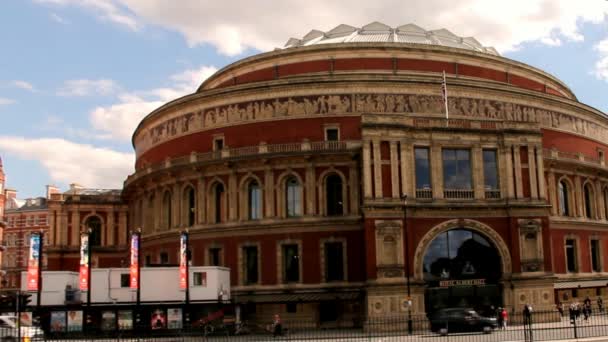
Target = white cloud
(109,10)
(601,66)
(68,162)
(5,101)
(23,85)
(85,87)
(119,120)
(56,18)
(232,27)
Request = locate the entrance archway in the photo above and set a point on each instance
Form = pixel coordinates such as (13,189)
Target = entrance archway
(462,265)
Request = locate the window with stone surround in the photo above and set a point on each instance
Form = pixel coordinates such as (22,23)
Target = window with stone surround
(190,205)
(214,257)
(596,255)
(571,262)
(218,203)
(490,174)
(333,195)
(457,175)
(164,258)
(254,194)
(293,196)
(588,197)
(563,190)
(250,265)
(423,172)
(334,261)
(291,263)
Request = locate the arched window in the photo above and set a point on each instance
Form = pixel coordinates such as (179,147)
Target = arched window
(333,195)
(293,195)
(588,194)
(190,205)
(218,196)
(255,200)
(564,198)
(167,213)
(93,224)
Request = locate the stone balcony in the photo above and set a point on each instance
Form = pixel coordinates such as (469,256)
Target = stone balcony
(256,151)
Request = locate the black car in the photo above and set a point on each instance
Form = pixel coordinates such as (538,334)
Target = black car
(461,320)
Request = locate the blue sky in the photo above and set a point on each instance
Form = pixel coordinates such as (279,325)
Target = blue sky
(76,76)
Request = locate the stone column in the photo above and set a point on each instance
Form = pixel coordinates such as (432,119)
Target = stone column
(75,227)
(436,171)
(310,182)
(122,228)
(599,202)
(63,228)
(552,193)
(578,196)
(176,201)
(158,202)
(478,176)
(510,182)
(394,170)
(367,170)
(110,229)
(540,171)
(377,169)
(532,172)
(519,190)
(232,196)
(353,187)
(201,202)
(407,170)
(269,193)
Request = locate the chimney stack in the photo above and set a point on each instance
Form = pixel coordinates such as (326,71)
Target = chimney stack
(50,190)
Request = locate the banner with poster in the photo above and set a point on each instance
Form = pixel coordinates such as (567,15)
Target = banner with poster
(57,321)
(134,272)
(26,319)
(125,320)
(108,320)
(158,320)
(74,320)
(183,261)
(33,263)
(84,262)
(174,318)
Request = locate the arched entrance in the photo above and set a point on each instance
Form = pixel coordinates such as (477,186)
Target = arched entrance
(462,268)
(462,263)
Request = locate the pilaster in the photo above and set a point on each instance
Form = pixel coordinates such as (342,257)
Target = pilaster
(353,189)
(110,229)
(540,171)
(200,203)
(310,182)
(436,171)
(377,169)
(407,169)
(532,172)
(232,197)
(122,228)
(519,189)
(508,156)
(478,176)
(269,193)
(578,196)
(367,171)
(552,193)
(75,222)
(394,170)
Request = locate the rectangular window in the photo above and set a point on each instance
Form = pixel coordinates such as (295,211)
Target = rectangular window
(423,172)
(490,170)
(595,256)
(255,202)
(218,144)
(571,255)
(457,169)
(124,280)
(291,264)
(215,256)
(164,258)
(334,261)
(331,134)
(291,307)
(199,279)
(250,256)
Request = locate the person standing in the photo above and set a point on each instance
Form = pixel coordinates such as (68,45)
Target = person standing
(277,327)
(600,304)
(560,309)
(504,318)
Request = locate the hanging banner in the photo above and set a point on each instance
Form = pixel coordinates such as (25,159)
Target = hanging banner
(84,262)
(134,274)
(183,261)
(33,263)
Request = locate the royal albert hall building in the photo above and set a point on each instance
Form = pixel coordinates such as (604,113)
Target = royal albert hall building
(327,177)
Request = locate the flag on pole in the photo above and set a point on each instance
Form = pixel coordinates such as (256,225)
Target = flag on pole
(444,93)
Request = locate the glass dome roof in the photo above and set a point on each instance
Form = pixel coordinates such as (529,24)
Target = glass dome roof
(381,33)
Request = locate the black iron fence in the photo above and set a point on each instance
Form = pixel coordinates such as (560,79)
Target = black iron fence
(539,326)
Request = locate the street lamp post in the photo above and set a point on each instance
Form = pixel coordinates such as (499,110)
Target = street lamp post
(407,266)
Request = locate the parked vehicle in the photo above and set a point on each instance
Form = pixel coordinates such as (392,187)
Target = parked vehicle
(9,332)
(450,320)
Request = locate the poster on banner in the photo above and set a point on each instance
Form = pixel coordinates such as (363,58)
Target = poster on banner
(158,320)
(57,321)
(26,319)
(125,320)
(33,263)
(84,262)
(183,261)
(174,318)
(134,271)
(74,320)
(108,320)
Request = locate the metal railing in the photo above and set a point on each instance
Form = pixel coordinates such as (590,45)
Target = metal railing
(464,326)
(459,193)
(492,194)
(424,193)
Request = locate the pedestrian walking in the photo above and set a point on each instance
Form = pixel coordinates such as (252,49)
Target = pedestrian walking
(600,305)
(560,309)
(504,315)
